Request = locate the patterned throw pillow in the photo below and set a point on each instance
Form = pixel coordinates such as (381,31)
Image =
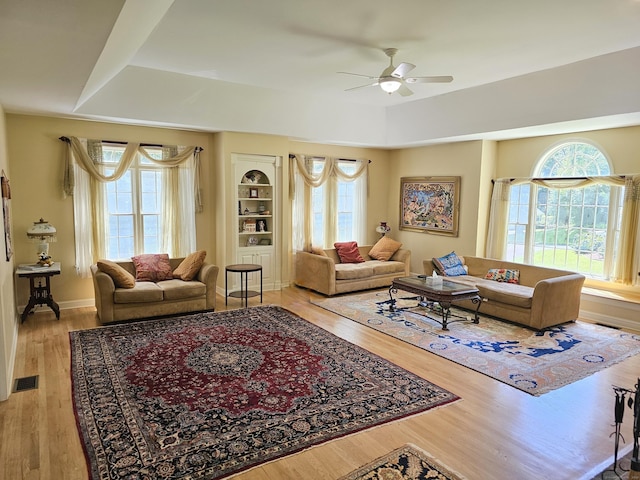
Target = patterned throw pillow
(384,249)
(450,265)
(121,278)
(190,266)
(152,267)
(348,252)
(503,275)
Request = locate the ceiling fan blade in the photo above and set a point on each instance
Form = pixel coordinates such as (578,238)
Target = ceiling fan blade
(362,86)
(358,75)
(436,79)
(404,90)
(402,69)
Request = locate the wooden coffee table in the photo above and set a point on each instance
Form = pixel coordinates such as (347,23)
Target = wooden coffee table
(433,294)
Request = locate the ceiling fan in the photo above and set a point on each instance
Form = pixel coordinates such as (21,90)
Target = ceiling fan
(393,78)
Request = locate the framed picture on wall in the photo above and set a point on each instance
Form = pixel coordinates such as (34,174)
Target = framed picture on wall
(430,204)
(6,196)
(253,193)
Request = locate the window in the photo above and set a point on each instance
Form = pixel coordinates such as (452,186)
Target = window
(344,202)
(329,201)
(573,228)
(133,204)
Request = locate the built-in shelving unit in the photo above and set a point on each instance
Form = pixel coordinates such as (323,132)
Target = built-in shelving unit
(257,224)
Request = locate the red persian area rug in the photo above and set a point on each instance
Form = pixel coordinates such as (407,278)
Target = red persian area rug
(211,394)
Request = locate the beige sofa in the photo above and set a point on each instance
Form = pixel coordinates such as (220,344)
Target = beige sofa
(544,297)
(149,299)
(325,274)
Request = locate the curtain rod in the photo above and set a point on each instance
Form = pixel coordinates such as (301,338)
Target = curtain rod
(115,142)
(563,178)
(292,155)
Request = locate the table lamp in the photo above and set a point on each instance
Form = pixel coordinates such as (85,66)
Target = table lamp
(42,233)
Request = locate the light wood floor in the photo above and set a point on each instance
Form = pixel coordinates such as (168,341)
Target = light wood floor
(494,432)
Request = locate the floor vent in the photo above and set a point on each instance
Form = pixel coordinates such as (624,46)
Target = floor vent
(608,326)
(25,383)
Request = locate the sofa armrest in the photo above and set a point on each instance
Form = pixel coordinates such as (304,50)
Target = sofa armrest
(403,255)
(427,266)
(104,289)
(208,275)
(556,300)
(316,272)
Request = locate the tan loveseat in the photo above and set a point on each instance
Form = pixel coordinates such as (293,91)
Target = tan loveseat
(544,297)
(149,299)
(325,274)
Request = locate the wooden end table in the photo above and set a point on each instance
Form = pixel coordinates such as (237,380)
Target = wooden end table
(39,294)
(443,293)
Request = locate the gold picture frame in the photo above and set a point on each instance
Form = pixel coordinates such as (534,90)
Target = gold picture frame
(430,204)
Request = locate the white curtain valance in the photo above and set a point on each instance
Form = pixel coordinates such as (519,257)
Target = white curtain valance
(303,164)
(82,155)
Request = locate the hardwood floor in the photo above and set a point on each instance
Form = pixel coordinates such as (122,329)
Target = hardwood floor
(494,432)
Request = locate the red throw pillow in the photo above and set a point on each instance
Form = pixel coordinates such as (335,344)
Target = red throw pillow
(152,267)
(348,252)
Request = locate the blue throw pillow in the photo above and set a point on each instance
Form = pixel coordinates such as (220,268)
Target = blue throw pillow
(449,265)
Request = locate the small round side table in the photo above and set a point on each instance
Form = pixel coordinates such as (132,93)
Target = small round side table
(244,269)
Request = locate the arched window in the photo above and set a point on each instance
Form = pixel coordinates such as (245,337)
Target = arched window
(573,228)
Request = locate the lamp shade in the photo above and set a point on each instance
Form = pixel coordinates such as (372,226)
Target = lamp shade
(389,84)
(42,231)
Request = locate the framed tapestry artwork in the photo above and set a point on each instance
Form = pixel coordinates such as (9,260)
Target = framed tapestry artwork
(6,196)
(430,204)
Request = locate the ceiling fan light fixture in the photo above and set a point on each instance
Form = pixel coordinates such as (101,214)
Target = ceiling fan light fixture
(390,84)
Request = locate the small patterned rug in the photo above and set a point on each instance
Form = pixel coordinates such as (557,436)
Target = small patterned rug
(405,463)
(534,362)
(208,395)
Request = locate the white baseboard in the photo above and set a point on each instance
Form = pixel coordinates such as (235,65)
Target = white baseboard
(87,302)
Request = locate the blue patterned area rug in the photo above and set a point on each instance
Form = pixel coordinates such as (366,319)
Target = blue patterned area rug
(531,361)
(405,463)
(209,395)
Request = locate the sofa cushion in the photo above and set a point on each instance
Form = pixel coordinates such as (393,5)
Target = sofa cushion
(121,278)
(142,292)
(450,265)
(509,293)
(348,252)
(503,275)
(152,267)
(384,249)
(179,289)
(353,271)
(386,268)
(190,266)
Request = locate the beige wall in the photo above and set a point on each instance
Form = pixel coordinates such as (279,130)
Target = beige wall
(517,158)
(462,159)
(36,159)
(8,316)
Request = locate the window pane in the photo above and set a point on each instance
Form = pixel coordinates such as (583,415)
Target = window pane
(518,219)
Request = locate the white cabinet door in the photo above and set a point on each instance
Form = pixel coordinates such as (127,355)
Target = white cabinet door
(263,257)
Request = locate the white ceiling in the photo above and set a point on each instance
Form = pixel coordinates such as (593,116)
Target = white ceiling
(519,68)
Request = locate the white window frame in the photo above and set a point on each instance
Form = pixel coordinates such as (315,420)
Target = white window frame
(139,165)
(613,222)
